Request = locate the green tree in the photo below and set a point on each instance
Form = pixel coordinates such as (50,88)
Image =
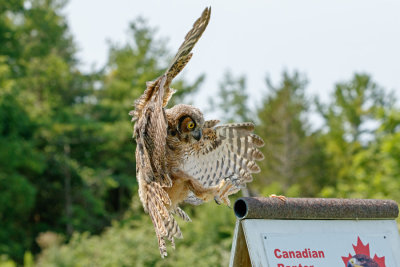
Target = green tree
(284,128)
(40,95)
(357,129)
(10,47)
(19,161)
(232,99)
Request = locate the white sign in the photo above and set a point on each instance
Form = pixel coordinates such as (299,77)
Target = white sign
(316,243)
(327,249)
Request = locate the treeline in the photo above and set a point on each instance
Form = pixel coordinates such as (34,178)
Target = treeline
(354,153)
(68,193)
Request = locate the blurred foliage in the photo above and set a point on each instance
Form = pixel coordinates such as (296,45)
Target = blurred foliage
(283,126)
(67,171)
(132,242)
(232,99)
(355,134)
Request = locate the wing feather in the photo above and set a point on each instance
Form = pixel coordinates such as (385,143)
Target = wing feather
(183,55)
(227,151)
(180,60)
(150,131)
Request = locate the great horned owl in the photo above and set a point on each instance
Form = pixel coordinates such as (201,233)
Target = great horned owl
(180,157)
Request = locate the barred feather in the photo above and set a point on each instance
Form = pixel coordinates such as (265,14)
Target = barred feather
(182,214)
(228,152)
(210,123)
(183,55)
(155,201)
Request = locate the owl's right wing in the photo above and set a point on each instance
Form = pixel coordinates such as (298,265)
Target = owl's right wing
(150,131)
(225,152)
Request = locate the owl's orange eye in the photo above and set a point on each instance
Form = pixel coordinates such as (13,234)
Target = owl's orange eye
(190,125)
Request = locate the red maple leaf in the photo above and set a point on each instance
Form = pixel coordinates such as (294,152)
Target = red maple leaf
(346,259)
(380,260)
(364,250)
(361,248)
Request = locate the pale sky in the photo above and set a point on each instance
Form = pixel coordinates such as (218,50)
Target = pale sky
(326,40)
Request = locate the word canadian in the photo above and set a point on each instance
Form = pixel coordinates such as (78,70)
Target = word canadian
(297,254)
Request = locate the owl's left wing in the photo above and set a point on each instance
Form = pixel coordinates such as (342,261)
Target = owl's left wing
(225,153)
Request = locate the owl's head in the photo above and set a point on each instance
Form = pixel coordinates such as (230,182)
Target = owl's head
(185,122)
(360,260)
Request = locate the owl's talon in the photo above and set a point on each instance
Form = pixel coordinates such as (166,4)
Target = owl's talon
(224,187)
(280,197)
(217,200)
(227,201)
(222,192)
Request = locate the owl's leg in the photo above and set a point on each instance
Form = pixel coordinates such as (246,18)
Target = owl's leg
(219,192)
(204,193)
(225,188)
(201,192)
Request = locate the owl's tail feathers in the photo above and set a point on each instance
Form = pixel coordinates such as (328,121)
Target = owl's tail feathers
(182,214)
(171,232)
(155,201)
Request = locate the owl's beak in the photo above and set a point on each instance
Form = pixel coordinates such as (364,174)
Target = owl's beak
(197,134)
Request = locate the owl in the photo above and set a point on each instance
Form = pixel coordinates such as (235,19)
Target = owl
(182,158)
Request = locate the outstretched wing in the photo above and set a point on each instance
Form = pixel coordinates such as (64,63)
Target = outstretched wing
(183,56)
(150,131)
(180,60)
(226,152)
